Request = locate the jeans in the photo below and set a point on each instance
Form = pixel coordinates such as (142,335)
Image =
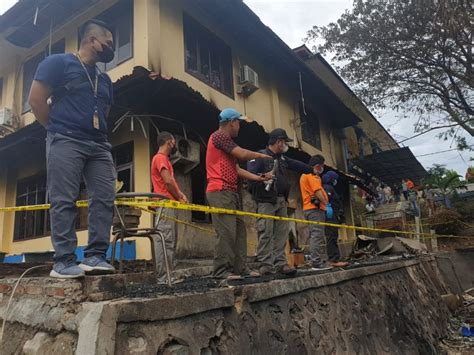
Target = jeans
(68,162)
(272,234)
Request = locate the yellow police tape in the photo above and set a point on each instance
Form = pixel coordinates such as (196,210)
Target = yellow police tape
(153,203)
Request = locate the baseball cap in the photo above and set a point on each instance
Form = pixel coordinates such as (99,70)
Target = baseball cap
(279,133)
(316,160)
(230,114)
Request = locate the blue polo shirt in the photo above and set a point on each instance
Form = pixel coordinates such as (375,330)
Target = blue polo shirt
(72,115)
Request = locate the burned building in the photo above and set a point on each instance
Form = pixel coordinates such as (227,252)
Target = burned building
(177,63)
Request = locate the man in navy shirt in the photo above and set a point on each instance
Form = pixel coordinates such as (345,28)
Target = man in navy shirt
(332,233)
(271,198)
(71,98)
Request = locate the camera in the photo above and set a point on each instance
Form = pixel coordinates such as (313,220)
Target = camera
(315,201)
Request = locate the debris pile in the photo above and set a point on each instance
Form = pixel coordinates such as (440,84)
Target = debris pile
(460,338)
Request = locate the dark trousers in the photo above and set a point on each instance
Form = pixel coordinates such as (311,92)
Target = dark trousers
(68,161)
(331,243)
(230,250)
(272,234)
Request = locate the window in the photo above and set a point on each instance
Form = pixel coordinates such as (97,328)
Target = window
(123,159)
(36,224)
(207,57)
(30,224)
(120,18)
(29,70)
(310,128)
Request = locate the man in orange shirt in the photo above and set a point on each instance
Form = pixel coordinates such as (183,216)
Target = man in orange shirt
(315,200)
(164,183)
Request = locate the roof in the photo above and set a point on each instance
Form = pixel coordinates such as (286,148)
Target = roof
(391,166)
(28,21)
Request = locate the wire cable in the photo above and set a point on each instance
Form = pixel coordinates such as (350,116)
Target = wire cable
(5,315)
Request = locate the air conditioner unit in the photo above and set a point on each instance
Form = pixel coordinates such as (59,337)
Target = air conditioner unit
(6,117)
(187,155)
(248,80)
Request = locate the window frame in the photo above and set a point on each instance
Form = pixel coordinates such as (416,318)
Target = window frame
(57,48)
(190,25)
(40,179)
(104,16)
(313,119)
(128,165)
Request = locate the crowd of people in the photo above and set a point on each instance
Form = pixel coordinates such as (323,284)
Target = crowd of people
(269,185)
(406,191)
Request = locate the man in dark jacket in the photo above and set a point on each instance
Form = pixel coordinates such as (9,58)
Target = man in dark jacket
(336,205)
(271,198)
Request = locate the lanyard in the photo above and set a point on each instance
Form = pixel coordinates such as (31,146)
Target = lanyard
(94,87)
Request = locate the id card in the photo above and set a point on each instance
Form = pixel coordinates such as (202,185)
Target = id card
(95,120)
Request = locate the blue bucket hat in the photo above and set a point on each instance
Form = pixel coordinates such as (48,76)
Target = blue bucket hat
(230,114)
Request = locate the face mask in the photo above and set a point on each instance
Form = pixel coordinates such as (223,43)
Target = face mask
(107,54)
(318,169)
(285,148)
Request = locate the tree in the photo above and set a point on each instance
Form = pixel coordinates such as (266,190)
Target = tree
(445,180)
(408,55)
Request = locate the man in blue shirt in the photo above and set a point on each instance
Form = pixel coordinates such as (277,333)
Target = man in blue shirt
(71,98)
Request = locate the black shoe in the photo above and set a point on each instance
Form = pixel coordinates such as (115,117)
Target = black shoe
(286,270)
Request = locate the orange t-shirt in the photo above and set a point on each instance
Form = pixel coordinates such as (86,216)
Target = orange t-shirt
(161,161)
(309,184)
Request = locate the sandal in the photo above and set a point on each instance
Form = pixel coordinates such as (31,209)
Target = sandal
(251,273)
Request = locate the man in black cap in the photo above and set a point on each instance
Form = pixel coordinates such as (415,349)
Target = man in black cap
(271,198)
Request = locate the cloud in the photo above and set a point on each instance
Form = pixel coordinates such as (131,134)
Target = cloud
(291,19)
(5,5)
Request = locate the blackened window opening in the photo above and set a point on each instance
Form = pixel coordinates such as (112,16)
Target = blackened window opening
(198,188)
(207,57)
(123,160)
(310,129)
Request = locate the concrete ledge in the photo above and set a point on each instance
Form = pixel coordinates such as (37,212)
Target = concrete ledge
(171,307)
(277,288)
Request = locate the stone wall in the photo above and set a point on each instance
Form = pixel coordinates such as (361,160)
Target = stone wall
(396,312)
(393,307)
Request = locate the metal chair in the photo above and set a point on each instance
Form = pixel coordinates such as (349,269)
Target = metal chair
(125,232)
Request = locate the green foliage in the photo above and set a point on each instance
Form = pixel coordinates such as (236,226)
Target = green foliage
(411,56)
(465,209)
(446,221)
(444,179)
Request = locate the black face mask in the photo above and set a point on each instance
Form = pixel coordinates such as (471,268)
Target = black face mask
(173,150)
(107,54)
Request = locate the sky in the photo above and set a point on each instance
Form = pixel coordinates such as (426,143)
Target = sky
(291,19)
